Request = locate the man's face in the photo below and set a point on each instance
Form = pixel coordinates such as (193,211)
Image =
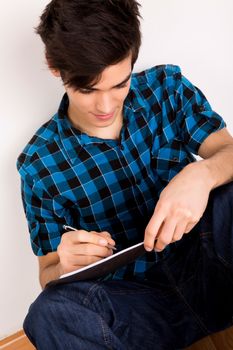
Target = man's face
(107,97)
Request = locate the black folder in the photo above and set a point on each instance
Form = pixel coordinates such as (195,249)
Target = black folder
(103,266)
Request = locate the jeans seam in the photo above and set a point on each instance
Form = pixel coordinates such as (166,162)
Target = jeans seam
(223,261)
(127,291)
(106,334)
(201,324)
(86,302)
(90,291)
(149,292)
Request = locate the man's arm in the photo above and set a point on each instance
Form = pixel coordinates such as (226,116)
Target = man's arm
(184,200)
(217,152)
(49,268)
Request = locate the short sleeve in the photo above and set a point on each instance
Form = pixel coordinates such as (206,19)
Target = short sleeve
(45,226)
(194,116)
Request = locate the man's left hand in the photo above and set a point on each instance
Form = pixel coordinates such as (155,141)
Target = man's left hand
(180,206)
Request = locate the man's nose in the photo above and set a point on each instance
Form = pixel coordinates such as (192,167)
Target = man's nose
(104,104)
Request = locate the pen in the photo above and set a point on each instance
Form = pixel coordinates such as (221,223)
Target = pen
(74,229)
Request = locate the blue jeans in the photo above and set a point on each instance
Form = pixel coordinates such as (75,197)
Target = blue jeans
(186,296)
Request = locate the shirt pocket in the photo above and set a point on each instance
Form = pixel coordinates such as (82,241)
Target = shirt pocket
(170,159)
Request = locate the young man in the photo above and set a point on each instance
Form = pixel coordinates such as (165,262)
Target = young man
(116,163)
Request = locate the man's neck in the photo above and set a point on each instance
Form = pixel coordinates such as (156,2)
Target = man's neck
(110,132)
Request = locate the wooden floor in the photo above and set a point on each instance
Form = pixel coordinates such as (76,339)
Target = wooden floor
(17,341)
(219,341)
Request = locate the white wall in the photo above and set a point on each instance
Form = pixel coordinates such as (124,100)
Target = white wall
(195,35)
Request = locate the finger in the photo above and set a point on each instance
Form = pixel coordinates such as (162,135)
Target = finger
(107,235)
(190,226)
(179,231)
(82,260)
(82,236)
(89,249)
(152,229)
(104,233)
(166,233)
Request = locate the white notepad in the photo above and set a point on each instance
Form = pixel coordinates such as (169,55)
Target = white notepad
(103,266)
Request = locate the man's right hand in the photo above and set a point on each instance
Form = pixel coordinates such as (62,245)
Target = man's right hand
(81,248)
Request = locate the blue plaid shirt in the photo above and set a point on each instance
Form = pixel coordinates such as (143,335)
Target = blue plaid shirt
(68,177)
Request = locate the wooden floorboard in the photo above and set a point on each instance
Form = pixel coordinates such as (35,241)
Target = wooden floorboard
(20,344)
(17,341)
(203,344)
(223,340)
(219,341)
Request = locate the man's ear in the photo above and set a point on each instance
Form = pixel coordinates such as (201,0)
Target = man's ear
(55,72)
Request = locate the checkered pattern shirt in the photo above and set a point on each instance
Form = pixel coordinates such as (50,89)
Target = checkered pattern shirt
(95,184)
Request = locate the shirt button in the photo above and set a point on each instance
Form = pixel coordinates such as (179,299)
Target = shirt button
(175,159)
(122,147)
(201,108)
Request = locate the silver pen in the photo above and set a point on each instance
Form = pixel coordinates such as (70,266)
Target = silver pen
(66,227)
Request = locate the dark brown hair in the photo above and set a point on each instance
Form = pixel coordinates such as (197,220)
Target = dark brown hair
(83,37)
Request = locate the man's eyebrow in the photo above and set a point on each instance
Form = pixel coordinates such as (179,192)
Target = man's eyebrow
(124,81)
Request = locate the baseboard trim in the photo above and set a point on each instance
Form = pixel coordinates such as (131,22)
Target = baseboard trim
(17,340)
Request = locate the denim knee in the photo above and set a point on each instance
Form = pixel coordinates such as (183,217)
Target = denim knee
(62,317)
(37,315)
(222,222)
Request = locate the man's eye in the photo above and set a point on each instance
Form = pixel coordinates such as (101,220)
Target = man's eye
(85,91)
(122,86)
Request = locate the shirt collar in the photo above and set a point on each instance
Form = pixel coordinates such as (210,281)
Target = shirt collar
(73,139)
